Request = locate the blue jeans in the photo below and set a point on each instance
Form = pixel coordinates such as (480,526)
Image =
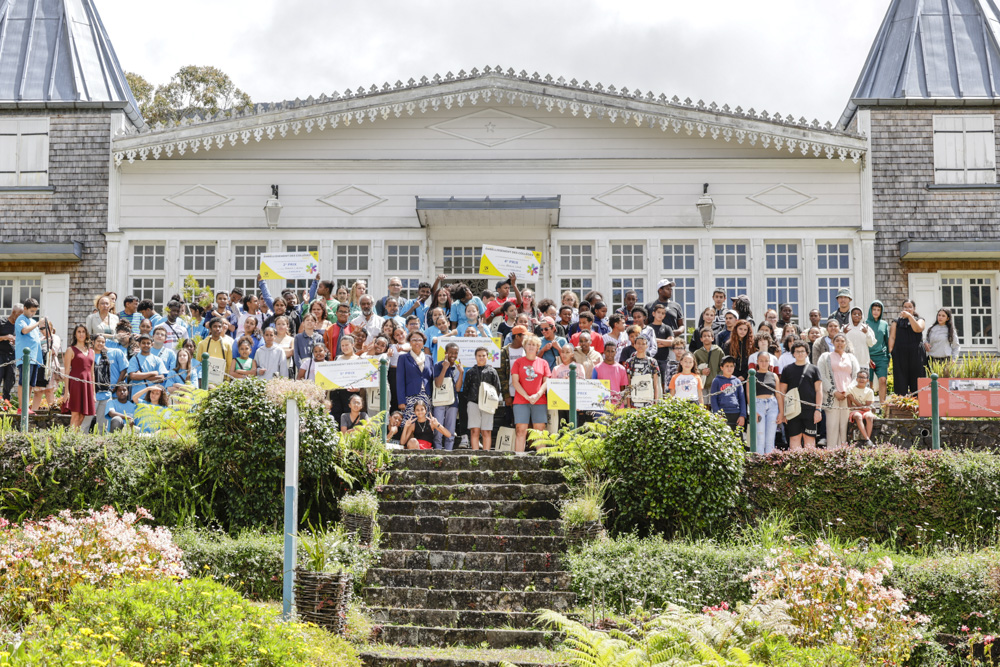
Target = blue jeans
(767,424)
(446,416)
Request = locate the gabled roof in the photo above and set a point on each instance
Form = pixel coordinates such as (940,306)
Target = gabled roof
(493,86)
(56,54)
(932,52)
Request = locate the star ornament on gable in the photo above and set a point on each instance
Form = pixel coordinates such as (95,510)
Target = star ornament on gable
(490,127)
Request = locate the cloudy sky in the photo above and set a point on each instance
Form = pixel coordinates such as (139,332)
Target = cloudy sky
(793,56)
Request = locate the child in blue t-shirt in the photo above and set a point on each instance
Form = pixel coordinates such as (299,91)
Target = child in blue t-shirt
(727,396)
(121,409)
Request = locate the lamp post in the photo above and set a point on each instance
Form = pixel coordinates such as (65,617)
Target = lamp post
(706,207)
(272,208)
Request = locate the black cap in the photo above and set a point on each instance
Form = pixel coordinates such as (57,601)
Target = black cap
(145,337)
(501,283)
(728,360)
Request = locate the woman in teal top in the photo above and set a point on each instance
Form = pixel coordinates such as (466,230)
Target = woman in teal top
(879,352)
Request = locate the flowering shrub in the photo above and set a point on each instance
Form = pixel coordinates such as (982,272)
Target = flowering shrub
(41,562)
(831,603)
(181,624)
(306,394)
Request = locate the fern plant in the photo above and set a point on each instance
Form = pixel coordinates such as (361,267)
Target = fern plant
(179,420)
(582,448)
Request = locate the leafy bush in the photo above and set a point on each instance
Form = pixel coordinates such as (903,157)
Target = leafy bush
(194,622)
(581,510)
(251,562)
(906,497)
(831,603)
(652,572)
(41,562)
(675,465)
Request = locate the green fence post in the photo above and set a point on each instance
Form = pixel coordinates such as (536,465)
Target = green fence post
(752,411)
(383,395)
(25,388)
(935,413)
(204,371)
(572,395)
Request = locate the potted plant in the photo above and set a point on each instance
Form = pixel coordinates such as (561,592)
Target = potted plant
(358,511)
(323,584)
(582,515)
(900,407)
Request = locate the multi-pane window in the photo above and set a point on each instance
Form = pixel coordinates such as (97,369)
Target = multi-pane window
(680,265)
(198,261)
(24,152)
(619,286)
(351,261)
(246,266)
(733,286)
(782,281)
(461,260)
(301,283)
(731,268)
(402,259)
(964,149)
(16,290)
(626,259)
(576,268)
(970,301)
(833,263)
(148,272)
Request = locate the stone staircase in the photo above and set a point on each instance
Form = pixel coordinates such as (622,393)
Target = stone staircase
(471,549)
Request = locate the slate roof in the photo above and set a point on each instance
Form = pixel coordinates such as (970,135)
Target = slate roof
(56,53)
(932,51)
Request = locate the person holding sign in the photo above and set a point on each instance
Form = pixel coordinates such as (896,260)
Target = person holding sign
(448,375)
(216,347)
(483,402)
(643,376)
(528,377)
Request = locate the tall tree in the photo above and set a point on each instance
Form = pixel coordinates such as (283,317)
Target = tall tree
(193,90)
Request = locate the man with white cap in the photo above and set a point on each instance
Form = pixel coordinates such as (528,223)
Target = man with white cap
(843,312)
(675,314)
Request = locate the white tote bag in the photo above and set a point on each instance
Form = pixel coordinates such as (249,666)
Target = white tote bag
(505,439)
(642,390)
(444,396)
(489,399)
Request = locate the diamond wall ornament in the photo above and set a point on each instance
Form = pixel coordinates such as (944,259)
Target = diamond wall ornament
(198,199)
(490,127)
(781,198)
(627,198)
(351,199)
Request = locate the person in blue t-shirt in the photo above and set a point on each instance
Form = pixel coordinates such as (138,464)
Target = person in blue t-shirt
(162,350)
(146,368)
(153,398)
(121,410)
(110,366)
(27,335)
(461,298)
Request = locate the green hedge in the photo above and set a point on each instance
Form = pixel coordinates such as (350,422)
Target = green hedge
(906,497)
(617,574)
(250,563)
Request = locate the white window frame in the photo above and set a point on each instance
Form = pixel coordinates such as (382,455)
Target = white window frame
(248,254)
(20,287)
(206,277)
(625,278)
(964,149)
(352,262)
(405,265)
(783,276)
(684,273)
(733,277)
(831,278)
(577,262)
(149,280)
(24,152)
(963,315)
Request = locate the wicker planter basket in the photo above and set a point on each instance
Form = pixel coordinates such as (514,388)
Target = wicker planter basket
(322,598)
(360,525)
(582,533)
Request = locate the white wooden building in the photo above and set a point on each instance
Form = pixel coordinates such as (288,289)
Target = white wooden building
(411,179)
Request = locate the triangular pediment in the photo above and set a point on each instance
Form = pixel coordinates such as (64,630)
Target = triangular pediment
(484,90)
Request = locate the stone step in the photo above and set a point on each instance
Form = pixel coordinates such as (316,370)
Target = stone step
(382,655)
(500,509)
(410,635)
(403,559)
(474,492)
(469,580)
(469,525)
(448,618)
(501,543)
(422,598)
(434,477)
(457,460)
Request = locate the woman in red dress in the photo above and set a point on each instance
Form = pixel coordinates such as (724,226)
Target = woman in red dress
(79,365)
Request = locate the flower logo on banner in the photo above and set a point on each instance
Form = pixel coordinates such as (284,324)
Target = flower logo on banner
(370,375)
(533,269)
(495,356)
(312,268)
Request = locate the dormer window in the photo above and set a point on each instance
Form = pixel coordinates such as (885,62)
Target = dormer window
(24,152)
(964,150)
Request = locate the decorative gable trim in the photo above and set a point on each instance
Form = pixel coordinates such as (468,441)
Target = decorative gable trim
(492,86)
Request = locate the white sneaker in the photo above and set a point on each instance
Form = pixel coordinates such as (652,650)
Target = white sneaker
(463,442)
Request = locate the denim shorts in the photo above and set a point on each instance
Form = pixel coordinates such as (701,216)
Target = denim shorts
(531,414)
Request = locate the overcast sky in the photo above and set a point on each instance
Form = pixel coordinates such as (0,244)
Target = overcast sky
(799,57)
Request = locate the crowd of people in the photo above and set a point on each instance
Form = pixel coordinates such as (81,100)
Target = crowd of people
(813,378)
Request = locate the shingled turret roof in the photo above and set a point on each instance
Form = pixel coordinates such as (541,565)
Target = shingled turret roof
(932,52)
(56,54)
